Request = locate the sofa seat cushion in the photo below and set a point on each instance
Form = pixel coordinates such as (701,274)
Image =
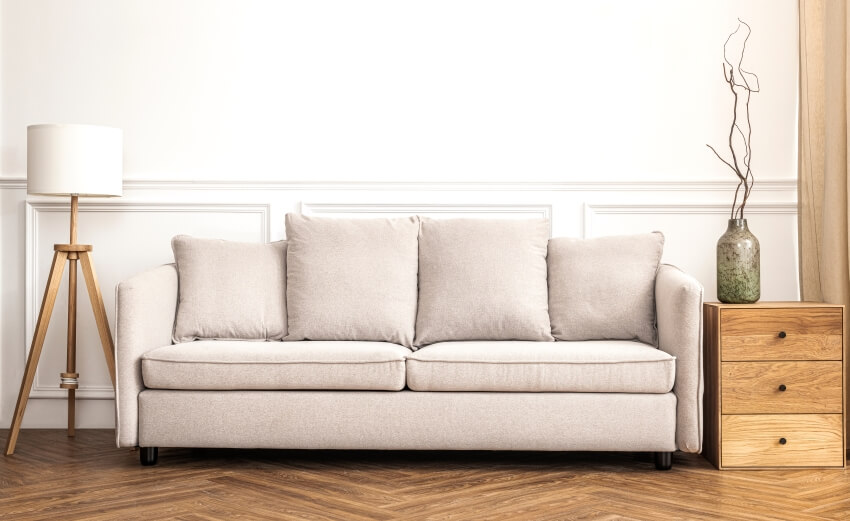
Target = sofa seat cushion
(237,365)
(615,366)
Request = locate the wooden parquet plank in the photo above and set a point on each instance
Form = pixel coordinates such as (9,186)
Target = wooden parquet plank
(334,505)
(52,477)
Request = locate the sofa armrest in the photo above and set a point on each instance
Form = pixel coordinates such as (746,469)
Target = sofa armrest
(678,303)
(146,307)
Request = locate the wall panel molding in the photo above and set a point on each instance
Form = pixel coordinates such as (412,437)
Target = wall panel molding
(543,211)
(591,210)
(34,257)
(472,210)
(765,185)
(157,209)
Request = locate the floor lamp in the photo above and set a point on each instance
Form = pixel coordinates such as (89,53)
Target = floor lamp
(72,161)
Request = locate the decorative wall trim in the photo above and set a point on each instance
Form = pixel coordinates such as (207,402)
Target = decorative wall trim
(528,211)
(453,186)
(591,210)
(763,185)
(33,292)
(16,182)
(604,201)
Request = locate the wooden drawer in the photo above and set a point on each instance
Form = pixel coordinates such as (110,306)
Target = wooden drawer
(810,333)
(811,440)
(755,387)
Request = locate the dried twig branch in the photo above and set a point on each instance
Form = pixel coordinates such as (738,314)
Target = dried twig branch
(743,154)
(721,158)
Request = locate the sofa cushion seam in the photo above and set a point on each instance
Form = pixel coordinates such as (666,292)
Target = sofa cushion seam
(297,362)
(543,362)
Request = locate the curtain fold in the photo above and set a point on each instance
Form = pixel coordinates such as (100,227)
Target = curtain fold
(822,170)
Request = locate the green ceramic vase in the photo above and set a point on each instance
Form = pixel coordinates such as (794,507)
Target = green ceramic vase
(738,265)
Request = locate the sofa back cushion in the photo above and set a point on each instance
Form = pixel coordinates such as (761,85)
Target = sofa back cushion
(229,290)
(351,279)
(604,288)
(482,280)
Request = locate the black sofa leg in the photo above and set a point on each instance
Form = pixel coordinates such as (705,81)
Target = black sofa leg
(663,460)
(148,455)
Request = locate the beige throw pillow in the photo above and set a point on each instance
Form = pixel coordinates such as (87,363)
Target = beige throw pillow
(351,279)
(482,280)
(229,290)
(604,288)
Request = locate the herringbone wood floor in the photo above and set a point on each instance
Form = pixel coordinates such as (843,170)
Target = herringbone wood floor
(52,477)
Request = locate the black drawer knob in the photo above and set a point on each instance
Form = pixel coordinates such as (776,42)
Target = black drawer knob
(782,441)
(782,388)
(782,334)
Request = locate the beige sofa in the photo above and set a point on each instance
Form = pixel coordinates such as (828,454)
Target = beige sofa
(454,343)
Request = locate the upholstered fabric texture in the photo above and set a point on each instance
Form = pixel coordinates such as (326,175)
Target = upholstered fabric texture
(408,420)
(145,306)
(679,299)
(351,279)
(239,365)
(604,288)
(607,366)
(230,290)
(482,280)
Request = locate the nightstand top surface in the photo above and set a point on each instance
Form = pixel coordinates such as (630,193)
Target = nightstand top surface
(777,304)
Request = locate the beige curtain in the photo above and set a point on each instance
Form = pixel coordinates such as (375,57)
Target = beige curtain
(822,178)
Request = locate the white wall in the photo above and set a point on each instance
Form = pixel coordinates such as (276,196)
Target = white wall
(595,113)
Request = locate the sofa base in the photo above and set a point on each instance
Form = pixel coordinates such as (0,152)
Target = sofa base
(149,456)
(408,420)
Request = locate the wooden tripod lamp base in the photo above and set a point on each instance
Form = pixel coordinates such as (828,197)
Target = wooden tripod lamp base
(63,253)
(69,160)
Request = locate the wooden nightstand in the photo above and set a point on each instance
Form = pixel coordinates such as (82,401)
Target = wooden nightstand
(774,385)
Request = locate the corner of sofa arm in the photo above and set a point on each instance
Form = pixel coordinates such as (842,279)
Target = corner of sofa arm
(678,304)
(146,306)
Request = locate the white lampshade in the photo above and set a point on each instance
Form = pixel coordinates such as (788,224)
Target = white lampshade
(84,160)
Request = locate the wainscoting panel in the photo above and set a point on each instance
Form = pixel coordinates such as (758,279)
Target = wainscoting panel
(436,211)
(447,211)
(691,232)
(132,233)
(127,238)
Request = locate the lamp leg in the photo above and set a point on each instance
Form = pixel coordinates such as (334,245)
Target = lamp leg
(69,377)
(50,292)
(72,413)
(99,313)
